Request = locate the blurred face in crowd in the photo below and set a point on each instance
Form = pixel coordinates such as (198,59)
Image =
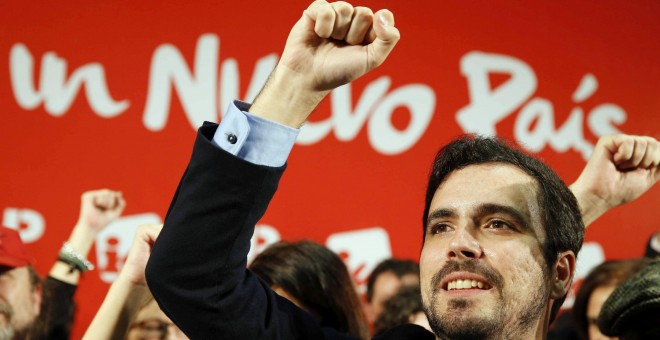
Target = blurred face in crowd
(387,284)
(20,302)
(152,324)
(483,273)
(596,301)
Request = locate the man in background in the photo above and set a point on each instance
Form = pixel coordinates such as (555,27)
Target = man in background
(34,309)
(20,287)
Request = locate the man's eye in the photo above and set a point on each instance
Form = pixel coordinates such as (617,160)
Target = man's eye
(497,224)
(439,228)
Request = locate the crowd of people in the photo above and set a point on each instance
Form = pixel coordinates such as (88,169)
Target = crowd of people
(501,233)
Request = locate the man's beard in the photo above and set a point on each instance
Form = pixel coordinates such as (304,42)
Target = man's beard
(454,322)
(7,332)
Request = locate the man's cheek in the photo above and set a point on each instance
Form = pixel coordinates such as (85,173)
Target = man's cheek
(425,281)
(526,273)
(426,278)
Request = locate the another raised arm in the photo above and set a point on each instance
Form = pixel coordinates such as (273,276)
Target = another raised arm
(97,209)
(621,168)
(129,291)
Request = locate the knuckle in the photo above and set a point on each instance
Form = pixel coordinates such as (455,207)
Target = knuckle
(326,15)
(343,8)
(629,142)
(363,13)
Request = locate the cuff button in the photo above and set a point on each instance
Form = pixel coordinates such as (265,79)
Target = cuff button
(231,138)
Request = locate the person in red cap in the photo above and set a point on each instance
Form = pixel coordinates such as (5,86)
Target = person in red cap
(20,286)
(34,309)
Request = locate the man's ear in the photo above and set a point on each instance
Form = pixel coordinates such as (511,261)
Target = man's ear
(562,274)
(37,298)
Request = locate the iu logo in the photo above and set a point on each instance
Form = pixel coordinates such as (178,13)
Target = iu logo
(361,250)
(114,242)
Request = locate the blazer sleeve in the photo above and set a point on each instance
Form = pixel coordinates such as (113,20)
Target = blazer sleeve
(197,269)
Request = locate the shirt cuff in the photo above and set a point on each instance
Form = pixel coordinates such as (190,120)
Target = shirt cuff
(254,139)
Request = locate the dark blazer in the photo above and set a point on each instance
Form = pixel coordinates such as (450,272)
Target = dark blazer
(197,270)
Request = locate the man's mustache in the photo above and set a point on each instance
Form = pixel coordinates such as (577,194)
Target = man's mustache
(471,266)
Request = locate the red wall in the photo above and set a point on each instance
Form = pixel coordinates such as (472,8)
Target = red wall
(87,101)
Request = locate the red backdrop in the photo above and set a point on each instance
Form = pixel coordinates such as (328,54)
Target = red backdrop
(110,94)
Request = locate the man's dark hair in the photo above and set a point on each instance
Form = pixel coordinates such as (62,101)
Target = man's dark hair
(35,279)
(43,323)
(398,267)
(560,213)
(320,281)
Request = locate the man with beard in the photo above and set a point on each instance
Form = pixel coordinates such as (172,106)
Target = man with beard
(501,229)
(34,309)
(20,287)
(502,232)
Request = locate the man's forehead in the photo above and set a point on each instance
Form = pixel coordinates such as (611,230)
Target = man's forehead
(491,175)
(488,183)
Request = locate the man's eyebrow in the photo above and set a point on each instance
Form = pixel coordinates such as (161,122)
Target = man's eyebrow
(492,208)
(440,213)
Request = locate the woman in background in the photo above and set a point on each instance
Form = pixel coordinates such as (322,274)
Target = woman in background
(129,311)
(596,288)
(315,279)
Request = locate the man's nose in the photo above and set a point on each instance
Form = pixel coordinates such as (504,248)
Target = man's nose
(464,245)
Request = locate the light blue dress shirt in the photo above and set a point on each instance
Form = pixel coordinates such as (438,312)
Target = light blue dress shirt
(254,139)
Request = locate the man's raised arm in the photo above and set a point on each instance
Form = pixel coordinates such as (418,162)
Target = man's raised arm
(197,270)
(331,44)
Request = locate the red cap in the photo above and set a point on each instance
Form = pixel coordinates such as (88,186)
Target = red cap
(13,252)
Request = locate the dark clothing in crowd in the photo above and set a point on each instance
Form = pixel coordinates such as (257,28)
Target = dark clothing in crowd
(564,328)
